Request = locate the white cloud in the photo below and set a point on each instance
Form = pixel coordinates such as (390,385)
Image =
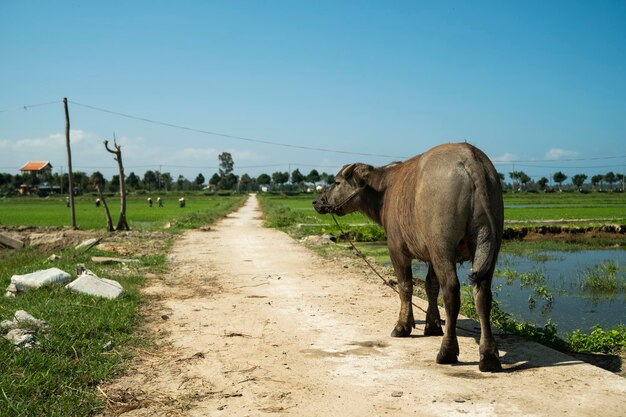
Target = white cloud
(507,157)
(139,154)
(38,143)
(52,141)
(88,153)
(243,155)
(556,153)
(198,154)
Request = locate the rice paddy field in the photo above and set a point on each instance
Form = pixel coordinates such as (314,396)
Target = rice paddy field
(53,211)
(596,208)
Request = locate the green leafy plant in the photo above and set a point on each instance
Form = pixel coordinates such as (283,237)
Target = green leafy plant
(599,340)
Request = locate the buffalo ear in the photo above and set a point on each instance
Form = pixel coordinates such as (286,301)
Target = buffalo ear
(361,174)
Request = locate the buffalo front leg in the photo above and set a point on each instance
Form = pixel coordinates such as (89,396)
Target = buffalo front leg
(446,273)
(406,321)
(489,356)
(433,319)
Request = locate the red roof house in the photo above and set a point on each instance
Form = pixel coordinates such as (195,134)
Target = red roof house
(36,166)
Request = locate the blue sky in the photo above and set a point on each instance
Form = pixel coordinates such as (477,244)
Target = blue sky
(537,84)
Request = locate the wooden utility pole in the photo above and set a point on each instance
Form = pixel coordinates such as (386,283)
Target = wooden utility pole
(69,163)
(122,224)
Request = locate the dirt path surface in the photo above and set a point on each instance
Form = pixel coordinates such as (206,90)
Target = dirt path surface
(253,323)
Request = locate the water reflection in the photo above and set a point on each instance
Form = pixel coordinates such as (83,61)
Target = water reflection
(559,286)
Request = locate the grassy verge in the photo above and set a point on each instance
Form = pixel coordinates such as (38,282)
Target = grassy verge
(60,377)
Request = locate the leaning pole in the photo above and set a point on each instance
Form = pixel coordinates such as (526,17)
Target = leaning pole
(69,163)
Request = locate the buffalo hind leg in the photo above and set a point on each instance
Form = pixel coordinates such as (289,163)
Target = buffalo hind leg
(446,273)
(433,319)
(489,356)
(406,321)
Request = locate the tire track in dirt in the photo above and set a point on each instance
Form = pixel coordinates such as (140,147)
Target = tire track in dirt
(252,323)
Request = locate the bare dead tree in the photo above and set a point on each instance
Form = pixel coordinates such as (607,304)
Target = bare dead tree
(122,224)
(97,182)
(106,209)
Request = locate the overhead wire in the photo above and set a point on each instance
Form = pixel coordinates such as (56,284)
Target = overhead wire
(310,148)
(274,143)
(225,135)
(28,106)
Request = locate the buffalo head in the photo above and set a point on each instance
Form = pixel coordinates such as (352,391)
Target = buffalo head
(344,195)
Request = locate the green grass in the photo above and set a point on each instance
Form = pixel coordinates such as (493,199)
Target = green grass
(518,207)
(295,214)
(59,378)
(52,211)
(556,206)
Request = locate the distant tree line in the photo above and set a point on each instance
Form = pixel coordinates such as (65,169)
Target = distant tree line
(520,181)
(155,181)
(226,180)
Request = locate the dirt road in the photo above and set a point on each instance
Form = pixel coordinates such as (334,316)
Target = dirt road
(252,323)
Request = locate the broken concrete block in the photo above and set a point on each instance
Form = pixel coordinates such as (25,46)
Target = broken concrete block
(10,242)
(105,260)
(93,285)
(11,290)
(21,330)
(21,338)
(23,319)
(87,244)
(7,325)
(37,239)
(39,279)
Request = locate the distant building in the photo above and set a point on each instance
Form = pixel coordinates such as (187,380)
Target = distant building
(36,168)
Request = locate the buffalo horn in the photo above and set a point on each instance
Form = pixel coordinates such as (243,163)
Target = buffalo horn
(347,170)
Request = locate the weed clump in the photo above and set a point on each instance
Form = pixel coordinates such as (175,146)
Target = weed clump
(602,279)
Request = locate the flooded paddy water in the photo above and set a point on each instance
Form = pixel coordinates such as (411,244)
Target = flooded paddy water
(573,290)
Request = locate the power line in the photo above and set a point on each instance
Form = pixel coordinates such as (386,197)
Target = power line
(556,167)
(310,148)
(207,132)
(29,106)
(599,158)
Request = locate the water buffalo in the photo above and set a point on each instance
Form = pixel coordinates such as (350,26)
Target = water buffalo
(441,207)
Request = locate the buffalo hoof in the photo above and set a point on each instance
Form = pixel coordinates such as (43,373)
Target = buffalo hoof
(433,330)
(489,363)
(447,358)
(401,331)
